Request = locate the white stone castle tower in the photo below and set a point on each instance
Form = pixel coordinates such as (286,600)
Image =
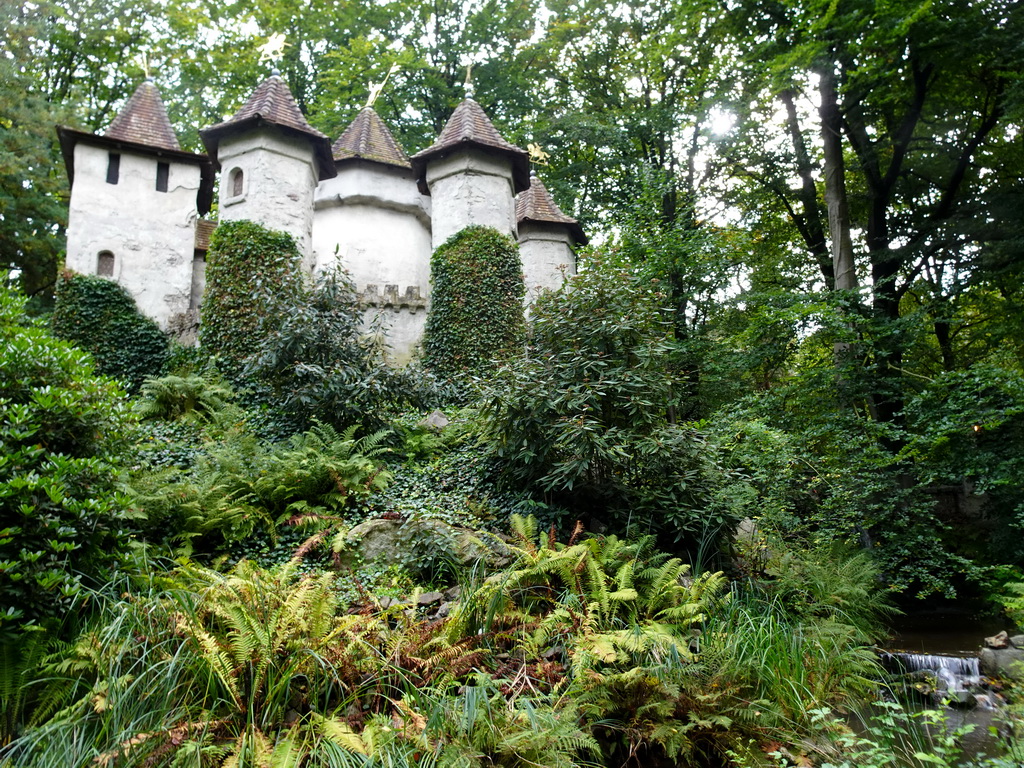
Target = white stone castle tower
(361,203)
(135,200)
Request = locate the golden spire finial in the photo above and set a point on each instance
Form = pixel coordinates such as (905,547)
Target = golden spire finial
(143,61)
(468,85)
(377,88)
(273,49)
(537,155)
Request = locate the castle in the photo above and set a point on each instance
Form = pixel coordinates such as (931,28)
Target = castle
(138,202)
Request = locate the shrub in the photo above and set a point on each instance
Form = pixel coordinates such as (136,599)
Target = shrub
(320,365)
(241,487)
(100,316)
(63,429)
(476,303)
(252,272)
(586,415)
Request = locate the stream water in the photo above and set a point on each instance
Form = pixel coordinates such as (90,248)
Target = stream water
(938,654)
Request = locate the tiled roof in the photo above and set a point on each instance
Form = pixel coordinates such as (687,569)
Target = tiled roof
(144,120)
(367,138)
(470,126)
(272,102)
(537,205)
(204,228)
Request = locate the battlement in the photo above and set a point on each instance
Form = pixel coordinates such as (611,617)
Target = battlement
(411,301)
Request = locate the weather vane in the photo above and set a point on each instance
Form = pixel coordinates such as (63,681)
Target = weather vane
(537,155)
(376,88)
(273,49)
(468,85)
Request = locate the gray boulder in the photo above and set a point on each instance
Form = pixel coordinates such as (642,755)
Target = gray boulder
(1002,662)
(421,543)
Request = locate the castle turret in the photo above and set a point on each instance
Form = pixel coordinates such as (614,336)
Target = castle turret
(270,160)
(372,219)
(547,240)
(472,174)
(135,199)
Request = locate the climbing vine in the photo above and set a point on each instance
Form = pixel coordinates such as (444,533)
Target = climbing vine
(476,312)
(100,316)
(252,274)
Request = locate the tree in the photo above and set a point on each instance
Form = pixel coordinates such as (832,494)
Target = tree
(914,131)
(584,417)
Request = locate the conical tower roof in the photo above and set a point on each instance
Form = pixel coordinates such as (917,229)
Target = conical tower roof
(142,127)
(367,138)
(144,120)
(272,103)
(469,126)
(537,205)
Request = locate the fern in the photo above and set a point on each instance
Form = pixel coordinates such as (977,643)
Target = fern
(189,398)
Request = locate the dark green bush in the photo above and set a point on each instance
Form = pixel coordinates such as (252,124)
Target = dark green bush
(320,365)
(251,274)
(63,429)
(476,302)
(98,315)
(585,416)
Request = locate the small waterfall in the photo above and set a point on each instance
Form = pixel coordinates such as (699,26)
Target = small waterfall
(960,666)
(956,678)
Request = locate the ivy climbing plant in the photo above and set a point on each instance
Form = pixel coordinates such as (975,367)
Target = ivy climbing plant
(476,311)
(100,316)
(252,274)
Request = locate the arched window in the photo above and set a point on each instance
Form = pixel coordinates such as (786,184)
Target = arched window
(105,264)
(237,182)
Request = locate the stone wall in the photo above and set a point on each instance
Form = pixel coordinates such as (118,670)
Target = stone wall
(471,187)
(547,255)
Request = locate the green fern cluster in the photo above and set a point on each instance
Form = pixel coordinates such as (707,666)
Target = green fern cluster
(595,651)
(242,486)
(192,397)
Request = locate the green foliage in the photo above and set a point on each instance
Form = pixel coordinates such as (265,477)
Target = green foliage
(596,651)
(586,415)
(241,486)
(20,662)
(98,315)
(968,427)
(64,430)
(251,274)
(476,303)
(320,365)
(893,737)
(1013,603)
(190,398)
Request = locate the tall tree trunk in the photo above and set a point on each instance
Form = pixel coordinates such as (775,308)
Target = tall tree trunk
(835,183)
(843,268)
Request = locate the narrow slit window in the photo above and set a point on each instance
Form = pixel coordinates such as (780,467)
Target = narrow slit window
(237,182)
(105,264)
(113,167)
(163,174)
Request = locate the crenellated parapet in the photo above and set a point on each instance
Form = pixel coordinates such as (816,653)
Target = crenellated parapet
(411,300)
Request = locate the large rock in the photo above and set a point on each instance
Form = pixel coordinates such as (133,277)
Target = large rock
(1002,640)
(1002,662)
(421,545)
